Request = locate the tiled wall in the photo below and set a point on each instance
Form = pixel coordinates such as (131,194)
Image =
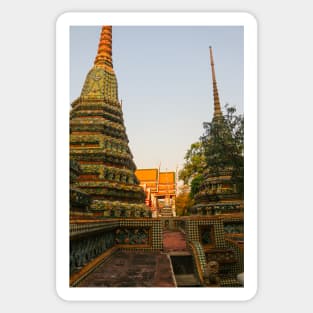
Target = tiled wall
(155,232)
(194,227)
(219,245)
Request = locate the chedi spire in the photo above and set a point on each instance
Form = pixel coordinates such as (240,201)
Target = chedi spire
(104,55)
(101,80)
(217,106)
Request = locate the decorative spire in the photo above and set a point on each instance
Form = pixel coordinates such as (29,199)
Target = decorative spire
(104,56)
(217,106)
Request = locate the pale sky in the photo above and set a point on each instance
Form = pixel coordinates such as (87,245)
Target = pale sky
(164,81)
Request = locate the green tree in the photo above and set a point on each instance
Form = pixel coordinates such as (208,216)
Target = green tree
(220,147)
(195,185)
(223,144)
(194,163)
(183,201)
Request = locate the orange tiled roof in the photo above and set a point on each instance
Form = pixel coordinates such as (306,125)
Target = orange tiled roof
(167,178)
(145,175)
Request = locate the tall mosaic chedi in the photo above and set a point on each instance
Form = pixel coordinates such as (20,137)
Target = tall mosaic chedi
(221,190)
(99,144)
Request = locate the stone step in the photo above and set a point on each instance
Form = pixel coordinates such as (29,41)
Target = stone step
(187,280)
(166,212)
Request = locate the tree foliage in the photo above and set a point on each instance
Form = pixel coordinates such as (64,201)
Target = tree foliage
(223,144)
(194,163)
(195,185)
(221,147)
(183,201)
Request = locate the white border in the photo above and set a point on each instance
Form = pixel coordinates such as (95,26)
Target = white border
(62,152)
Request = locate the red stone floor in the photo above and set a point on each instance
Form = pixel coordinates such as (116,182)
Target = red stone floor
(174,241)
(138,268)
(132,269)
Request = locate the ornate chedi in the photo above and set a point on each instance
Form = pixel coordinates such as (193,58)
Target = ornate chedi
(99,144)
(219,191)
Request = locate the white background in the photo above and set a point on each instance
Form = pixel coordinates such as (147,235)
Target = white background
(27,173)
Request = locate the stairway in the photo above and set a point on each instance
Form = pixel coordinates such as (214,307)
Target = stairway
(166,212)
(183,268)
(187,280)
(174,244)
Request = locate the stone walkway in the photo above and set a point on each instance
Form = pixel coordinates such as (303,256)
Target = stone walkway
(139,268)
(132,269)
(174,241)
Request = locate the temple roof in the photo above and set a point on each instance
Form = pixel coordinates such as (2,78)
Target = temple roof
(167,178)
(159,182)
(145,175)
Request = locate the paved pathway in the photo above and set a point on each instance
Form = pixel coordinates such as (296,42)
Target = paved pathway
(174,241)
(132,269)
(139,268)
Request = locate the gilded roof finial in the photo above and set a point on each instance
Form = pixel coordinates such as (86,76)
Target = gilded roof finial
(217,106)
(104,55)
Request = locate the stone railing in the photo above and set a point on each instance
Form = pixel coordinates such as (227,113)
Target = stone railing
(199,259)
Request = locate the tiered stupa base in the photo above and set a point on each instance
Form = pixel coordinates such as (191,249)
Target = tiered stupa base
(119,209)
(215,208)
